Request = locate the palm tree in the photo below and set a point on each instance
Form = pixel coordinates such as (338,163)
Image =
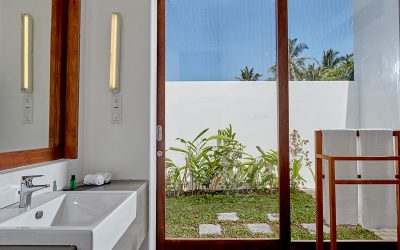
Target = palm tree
(330,59)
(297,64)
(348,65)
(313,72)
(248,75)
(337,68)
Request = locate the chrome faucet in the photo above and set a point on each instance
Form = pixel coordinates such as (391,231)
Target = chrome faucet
(27,188)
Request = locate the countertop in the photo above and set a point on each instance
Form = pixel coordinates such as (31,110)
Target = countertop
(121,185)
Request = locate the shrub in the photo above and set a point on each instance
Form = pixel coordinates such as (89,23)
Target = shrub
(299,159)
(220,162)
(230,153)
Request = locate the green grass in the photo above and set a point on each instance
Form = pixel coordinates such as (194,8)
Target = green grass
(185,214)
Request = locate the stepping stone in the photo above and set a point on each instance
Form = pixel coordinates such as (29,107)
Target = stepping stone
(262,228)
(205,229)
(311,228)
(273,217)
(228,217)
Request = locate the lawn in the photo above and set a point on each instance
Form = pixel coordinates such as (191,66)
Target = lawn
(185,213)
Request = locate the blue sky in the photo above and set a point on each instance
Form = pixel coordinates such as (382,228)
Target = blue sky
(213,39)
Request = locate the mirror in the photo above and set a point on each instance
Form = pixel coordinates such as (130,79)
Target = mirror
(25,52)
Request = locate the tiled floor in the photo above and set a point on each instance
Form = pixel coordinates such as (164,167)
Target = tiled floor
(383,233)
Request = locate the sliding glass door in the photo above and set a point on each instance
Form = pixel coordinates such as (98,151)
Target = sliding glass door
(221,140)
(344,75)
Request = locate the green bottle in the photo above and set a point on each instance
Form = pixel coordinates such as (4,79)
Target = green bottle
(72,183)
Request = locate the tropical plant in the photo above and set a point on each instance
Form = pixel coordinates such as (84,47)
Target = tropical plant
(330,59)
(247,74)
(194,152)
(313,72)
(262,171)
(297,62)
(231,152)
(203,161)
(219,162)
(341,69)
(174,182)
(348,67)
(333,67)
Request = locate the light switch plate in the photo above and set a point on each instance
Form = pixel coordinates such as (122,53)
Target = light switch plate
(28,109)
(116,109)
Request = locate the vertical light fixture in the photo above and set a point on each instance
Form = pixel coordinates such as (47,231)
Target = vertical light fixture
(26,54)
(115,52)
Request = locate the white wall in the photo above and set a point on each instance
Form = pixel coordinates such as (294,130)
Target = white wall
(120,149)
(376,55)
(14,134)
(124,150)
(251,109)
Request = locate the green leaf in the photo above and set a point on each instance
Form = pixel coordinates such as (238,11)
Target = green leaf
(201,133)
(178,149)
(219,137)
(181,140)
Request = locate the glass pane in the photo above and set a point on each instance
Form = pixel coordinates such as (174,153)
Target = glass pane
(222,171)
(344,58)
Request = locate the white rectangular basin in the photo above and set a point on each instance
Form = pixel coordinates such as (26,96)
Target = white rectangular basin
(88,220)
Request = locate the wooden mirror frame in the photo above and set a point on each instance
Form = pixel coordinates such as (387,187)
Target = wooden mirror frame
(64,91)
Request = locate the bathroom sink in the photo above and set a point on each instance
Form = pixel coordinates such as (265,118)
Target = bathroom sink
(88,220)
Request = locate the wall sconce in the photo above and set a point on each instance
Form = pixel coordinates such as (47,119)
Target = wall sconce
(26,54)
(115,52)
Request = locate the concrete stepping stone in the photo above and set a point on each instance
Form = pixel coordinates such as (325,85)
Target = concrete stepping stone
(311,228)
(273,217)
(205,229)
(262,228)
(228,217)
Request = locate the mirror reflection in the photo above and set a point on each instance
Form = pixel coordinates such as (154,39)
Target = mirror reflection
(25,38)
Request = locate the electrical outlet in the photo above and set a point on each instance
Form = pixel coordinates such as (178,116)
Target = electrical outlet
(116,109)
(28,109)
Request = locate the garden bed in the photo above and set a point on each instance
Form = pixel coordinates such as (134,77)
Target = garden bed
(184,214)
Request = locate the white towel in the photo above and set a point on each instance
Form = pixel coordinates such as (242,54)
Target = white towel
(377,202)
(93,179)
(341,143)
(107,177)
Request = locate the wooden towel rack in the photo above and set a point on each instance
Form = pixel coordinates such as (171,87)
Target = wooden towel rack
(319,157)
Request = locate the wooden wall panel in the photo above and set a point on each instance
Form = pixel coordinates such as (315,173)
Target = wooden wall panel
(72,81)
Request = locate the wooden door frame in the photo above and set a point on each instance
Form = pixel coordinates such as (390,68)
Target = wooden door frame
(160,190)
(283,142)
(284,242)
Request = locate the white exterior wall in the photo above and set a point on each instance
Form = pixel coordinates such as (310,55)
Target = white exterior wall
(251,109)
(376,59)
